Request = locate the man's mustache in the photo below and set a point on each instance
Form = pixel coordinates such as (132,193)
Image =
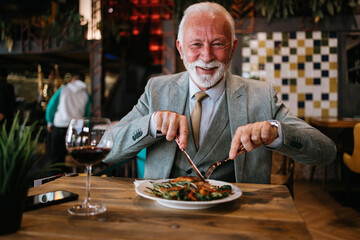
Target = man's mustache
(202,64)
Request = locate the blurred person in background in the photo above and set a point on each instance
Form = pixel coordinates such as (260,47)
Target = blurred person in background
(69,101)
(7,100)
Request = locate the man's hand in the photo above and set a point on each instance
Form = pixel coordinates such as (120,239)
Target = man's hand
(172,124)
(252,136)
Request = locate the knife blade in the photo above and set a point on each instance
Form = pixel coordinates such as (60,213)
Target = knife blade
(190,161)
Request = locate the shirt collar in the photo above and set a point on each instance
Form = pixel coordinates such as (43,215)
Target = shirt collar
(214,92)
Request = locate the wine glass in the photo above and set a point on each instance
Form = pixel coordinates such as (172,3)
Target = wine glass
(88,140)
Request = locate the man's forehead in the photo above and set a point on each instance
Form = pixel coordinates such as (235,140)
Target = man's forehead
(217,24)
(204,17)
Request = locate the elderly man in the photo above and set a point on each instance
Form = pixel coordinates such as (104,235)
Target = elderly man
(240,118)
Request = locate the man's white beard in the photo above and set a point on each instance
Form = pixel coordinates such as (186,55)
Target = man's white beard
(206,80)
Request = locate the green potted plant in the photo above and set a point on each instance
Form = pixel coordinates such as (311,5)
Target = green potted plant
(19,165)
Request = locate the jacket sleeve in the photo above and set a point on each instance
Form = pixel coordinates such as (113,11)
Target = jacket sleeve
(302,142)
(132,134)
(52,106)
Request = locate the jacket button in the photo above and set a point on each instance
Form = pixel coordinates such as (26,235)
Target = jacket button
(296,144)
(189,171)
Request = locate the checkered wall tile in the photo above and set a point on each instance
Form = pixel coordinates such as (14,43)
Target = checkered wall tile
(301,65)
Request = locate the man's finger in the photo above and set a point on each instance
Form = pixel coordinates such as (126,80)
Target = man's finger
(235,143)
(158,121)
(183,131)
(256,134)
(172,130)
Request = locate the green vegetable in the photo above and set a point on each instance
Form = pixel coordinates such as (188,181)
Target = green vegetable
(189,190)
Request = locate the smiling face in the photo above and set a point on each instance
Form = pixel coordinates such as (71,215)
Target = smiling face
(206,49)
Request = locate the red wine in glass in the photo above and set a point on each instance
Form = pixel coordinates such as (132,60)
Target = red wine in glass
(89,140)
(89,155)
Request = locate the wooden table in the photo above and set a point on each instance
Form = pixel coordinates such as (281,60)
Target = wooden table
(262,212)
(334,122)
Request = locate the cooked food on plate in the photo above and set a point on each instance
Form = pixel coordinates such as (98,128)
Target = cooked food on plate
(189,189)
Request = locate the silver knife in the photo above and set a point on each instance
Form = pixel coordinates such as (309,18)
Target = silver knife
(190,161)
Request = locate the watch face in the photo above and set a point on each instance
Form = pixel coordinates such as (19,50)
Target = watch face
(274,123)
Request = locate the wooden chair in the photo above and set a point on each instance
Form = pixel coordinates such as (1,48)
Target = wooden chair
(285,175)
(324,169)
(353,165)
(353,161)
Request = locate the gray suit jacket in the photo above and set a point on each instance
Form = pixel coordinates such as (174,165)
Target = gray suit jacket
(248,101)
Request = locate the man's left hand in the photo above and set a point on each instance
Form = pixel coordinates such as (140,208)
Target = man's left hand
(252,136)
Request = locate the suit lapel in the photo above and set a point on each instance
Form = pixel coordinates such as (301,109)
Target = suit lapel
(177,103)
(179,99)
(190,148)
(238,115)
(217,127)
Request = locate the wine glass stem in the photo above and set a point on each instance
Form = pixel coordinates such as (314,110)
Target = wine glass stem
(88,173)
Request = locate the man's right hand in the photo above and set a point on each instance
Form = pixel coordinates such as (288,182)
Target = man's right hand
(172,124)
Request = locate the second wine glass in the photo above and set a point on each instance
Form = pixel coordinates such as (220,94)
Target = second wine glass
(89,140)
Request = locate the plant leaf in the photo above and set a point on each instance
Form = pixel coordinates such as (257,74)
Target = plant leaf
(330,8)
(19,156)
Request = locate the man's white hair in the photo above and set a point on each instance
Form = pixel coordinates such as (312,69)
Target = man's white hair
(208,8)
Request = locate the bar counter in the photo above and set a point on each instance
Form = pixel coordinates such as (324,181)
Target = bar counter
(262,212)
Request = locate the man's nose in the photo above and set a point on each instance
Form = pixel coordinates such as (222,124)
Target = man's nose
(206,53)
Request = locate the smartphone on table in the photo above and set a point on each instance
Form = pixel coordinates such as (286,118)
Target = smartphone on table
(48,199)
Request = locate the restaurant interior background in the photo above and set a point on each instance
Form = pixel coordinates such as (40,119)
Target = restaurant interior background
(310,51)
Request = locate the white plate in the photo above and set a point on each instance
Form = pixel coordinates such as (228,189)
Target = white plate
(142,189)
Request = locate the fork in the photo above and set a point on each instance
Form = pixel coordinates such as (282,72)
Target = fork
(217,164)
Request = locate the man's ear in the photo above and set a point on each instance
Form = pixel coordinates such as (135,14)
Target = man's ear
(234,48)
(178,46)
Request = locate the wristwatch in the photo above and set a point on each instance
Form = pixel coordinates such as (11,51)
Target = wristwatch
(274,123)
